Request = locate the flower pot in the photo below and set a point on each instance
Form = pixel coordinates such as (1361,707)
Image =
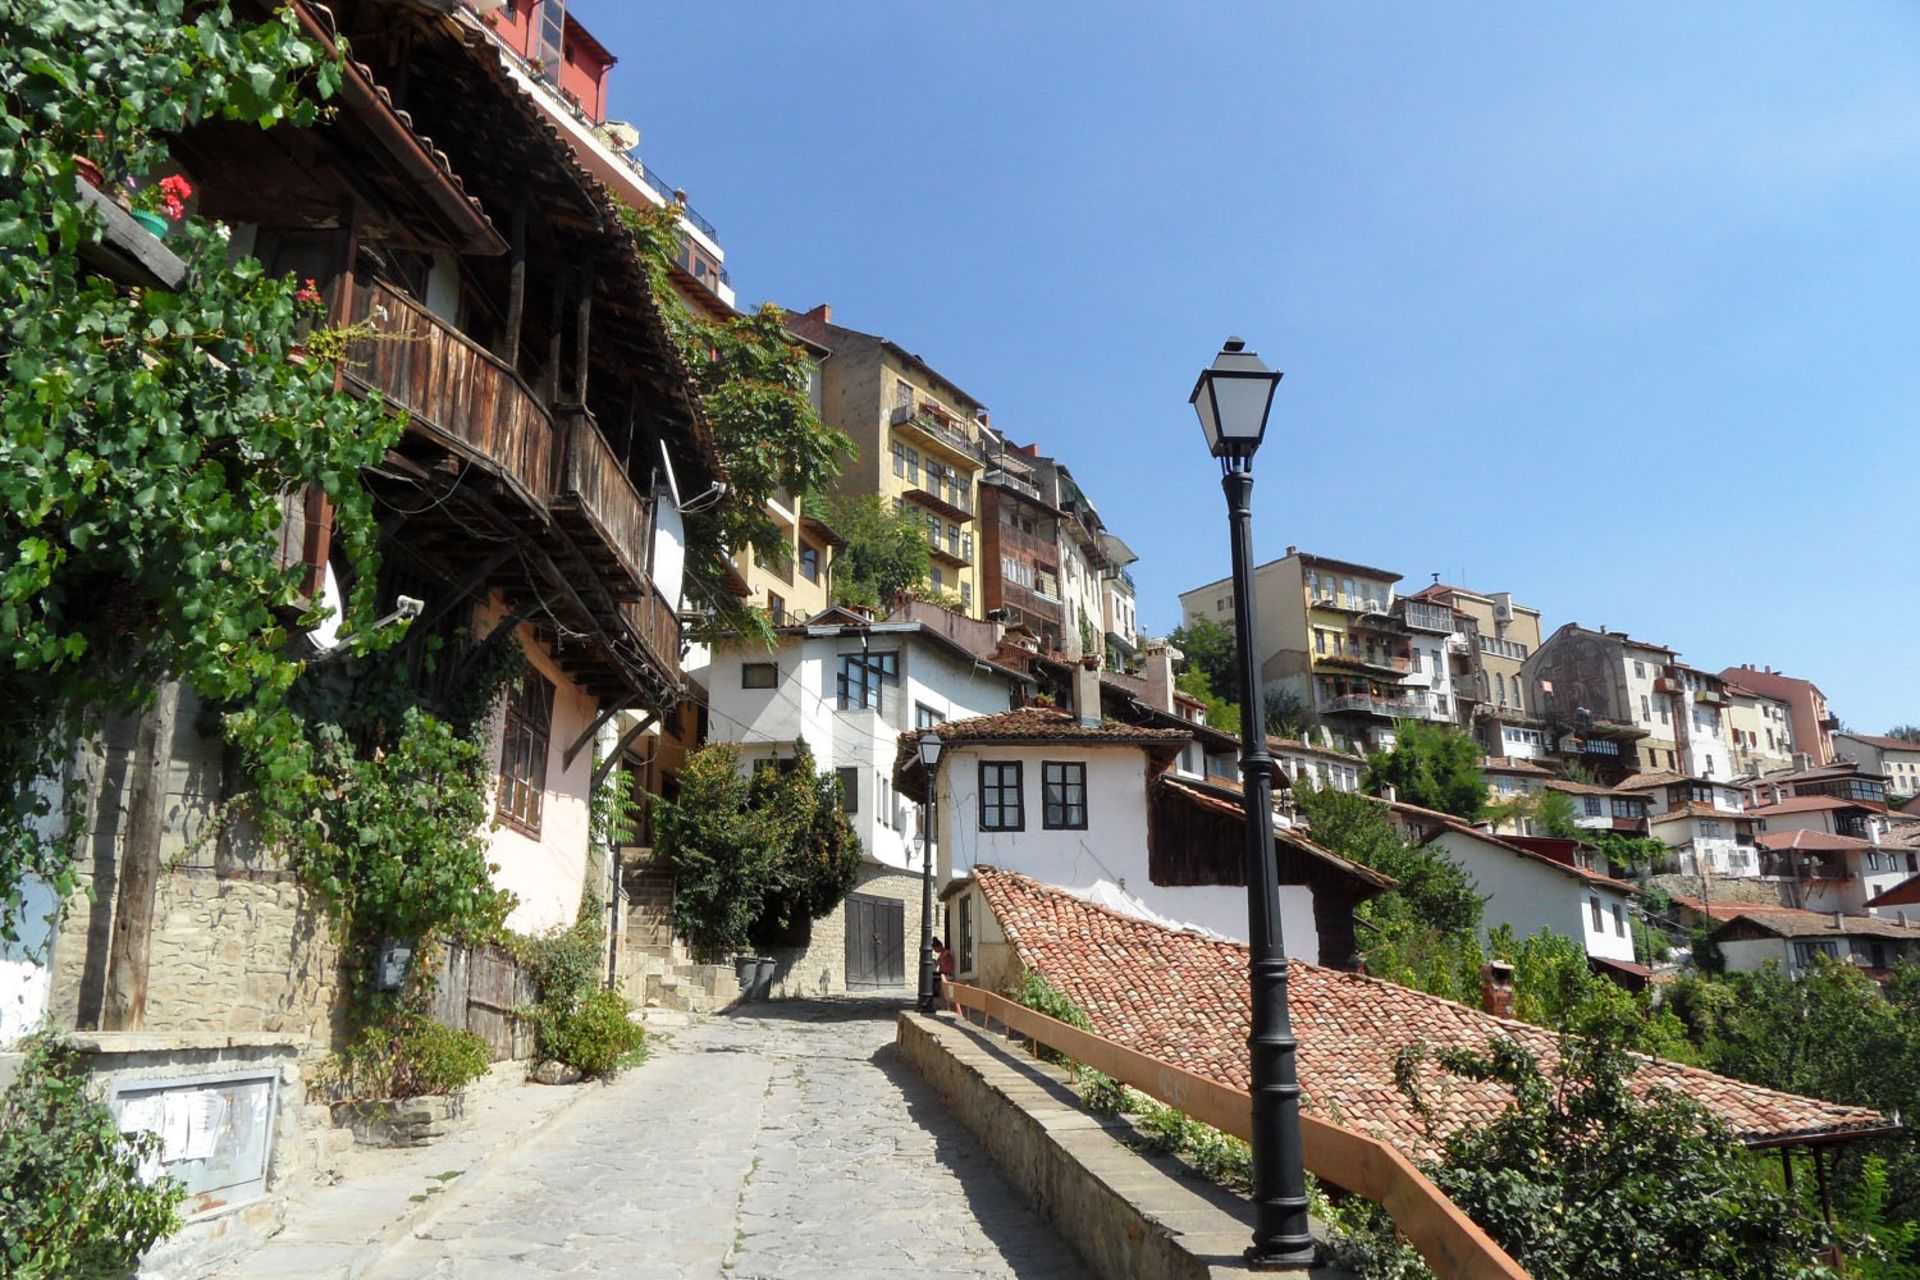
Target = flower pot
(89,172)
(152,221)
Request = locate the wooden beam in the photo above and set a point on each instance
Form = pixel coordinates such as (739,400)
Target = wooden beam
(579,744)
(605,767)
(556,328)
(516,285)
(130,951)
(583,314)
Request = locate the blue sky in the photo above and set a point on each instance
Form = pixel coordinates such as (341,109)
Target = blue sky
(1609,306)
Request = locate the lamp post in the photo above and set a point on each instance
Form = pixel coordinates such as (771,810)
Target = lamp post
(930,747)
(1232,399)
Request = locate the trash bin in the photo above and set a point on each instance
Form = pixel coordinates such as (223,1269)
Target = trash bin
(747,970)
(763,977)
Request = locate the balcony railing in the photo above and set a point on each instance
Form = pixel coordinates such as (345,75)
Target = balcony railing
(1390,708)
(592,488)
(935,427)
(1008,480)
(452,387)
(1427,617)
(1360,657)
(657,625)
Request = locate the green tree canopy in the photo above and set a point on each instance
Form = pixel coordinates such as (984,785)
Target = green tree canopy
(885,555)
(1222,714)
(1432,766)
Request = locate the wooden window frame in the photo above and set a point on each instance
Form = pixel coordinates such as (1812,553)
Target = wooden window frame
(999,788)
(526,738)
(849,794)
(773,667)
(1066,805)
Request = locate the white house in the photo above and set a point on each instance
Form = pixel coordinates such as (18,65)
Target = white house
(1834,854)
(1095,807)
(1895,759)
(1530,891)
(848,687)
(1792,939)
(1702,821)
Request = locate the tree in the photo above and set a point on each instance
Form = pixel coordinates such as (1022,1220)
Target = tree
(1905,732)
(1424,932)
(1210,648)
(1285,714)
(754,857)
(1432,766)
(885,555)
(1583,1179)
(1221,714)
(147,437)
(1555,812)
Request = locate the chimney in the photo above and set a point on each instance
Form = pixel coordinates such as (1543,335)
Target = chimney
(1159,674)
(1496,988)
(822,313)
(1840,921)
(1086,692)
(1802,761)
(1293,551)
(1392,795)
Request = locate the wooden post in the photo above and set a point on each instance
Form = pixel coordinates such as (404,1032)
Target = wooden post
(1786,1169)
(555,329)
(582,316)
(516,286)
(128,957)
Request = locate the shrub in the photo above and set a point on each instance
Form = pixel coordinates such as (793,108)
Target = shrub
(597,1036)
(72,1202)
(404,1055)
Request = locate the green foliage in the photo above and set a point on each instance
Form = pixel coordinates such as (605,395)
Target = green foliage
(1555,812)
(402,1053)
(1581,1179)
(1210,649)
(1042,996)
(1629,853)
(753,382)
(1423,933)
(599,1036)
(1285,714)
(1432,766)
(1362,1238)
(396,839)
(1216,1156)
(1554,986)
(1221,714)
(72,1203)
(1882,1246)
(886,552)
(146,437)
(759,855)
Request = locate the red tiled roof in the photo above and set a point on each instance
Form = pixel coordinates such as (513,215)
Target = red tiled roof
(1821,841)
(1183,998)
(1694,809)
(1648,781)
(1509,764)
(1792,923)
(1728,910)
(1587,789)
(1804,804)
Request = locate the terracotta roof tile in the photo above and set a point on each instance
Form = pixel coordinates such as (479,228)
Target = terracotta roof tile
(1183,998)
(1882,744)
(1804,804)
(1820,841)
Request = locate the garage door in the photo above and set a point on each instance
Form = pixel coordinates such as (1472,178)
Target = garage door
(876,942)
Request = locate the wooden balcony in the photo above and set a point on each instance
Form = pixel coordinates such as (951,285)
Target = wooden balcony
(595,500)
(655,624)
(451,388)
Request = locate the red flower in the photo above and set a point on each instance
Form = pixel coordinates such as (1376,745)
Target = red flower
(174,191)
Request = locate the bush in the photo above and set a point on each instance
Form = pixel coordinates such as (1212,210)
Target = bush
(404,1055)
(72,1202)
(597,1036)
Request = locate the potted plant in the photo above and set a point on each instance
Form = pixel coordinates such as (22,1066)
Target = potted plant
(159,206)
(309,306)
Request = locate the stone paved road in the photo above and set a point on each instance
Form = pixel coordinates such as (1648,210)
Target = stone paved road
(784,1141)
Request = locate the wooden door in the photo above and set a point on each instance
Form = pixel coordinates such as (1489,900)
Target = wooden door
(876,942)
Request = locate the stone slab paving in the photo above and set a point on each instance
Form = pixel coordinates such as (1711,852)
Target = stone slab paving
(782,1141)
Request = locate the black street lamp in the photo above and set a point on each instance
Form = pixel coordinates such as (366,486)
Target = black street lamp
(930,746)
(1232,399)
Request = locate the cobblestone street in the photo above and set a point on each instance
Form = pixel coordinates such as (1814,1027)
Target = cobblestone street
(783,1141)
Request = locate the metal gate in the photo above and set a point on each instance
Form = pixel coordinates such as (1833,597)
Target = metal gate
(876,942)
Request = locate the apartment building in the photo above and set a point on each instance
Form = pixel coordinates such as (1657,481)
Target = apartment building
(1021,544)
(1834,854)
(1759,731)
(1812,722)
(1496,637)
(1699,702)
(1895,759)
(1328,637)
(1601,699)
(917,439)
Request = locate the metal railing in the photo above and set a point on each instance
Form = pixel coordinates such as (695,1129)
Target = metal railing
(923,420)
(1452,1243)
(1393,708)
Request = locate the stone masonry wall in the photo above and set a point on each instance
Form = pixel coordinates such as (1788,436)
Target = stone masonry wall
(238,944)
(820,967)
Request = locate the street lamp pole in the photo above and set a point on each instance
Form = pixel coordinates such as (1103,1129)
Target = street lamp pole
(930,746)
(1232,399)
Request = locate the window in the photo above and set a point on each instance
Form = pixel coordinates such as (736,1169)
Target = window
(523,752)
(759,675)
(937,578)
(1619,922)
(810,563)
(899,460)
(902,396)
(1593,907)
(1593,806)
(966,595)
(1626,809)
(1319,641)
(861,678)
(1001,805)
(963,939)
(778,608)
(1640,672)
(1646,708)
(883,799)
(1804,952)
(1517,704)
(849,789)
(925,717)
(1063,796)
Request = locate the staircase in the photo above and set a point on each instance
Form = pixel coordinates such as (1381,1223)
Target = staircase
(656,969)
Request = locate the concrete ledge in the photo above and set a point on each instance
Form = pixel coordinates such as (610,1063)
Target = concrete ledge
(1126,1213)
